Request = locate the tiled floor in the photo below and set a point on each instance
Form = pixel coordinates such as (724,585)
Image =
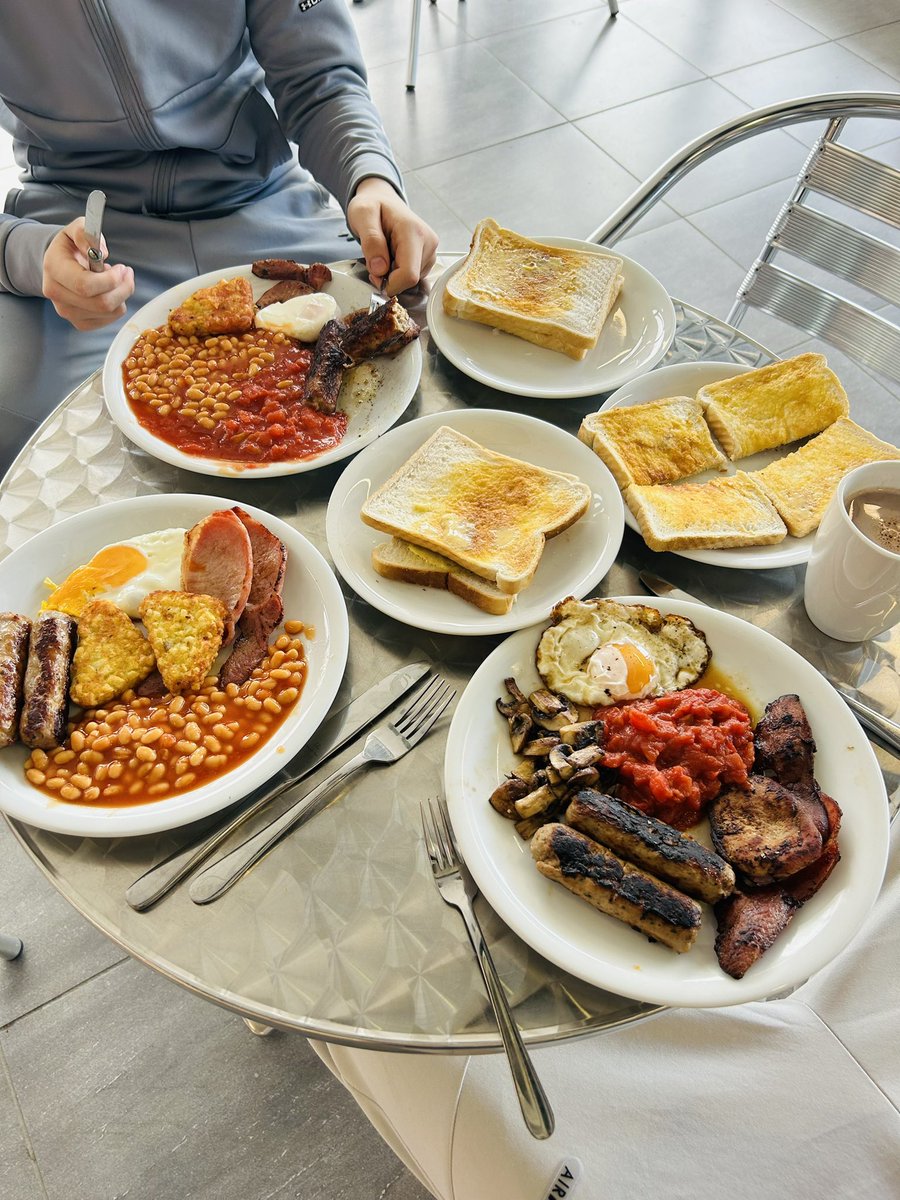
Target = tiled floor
(544,114)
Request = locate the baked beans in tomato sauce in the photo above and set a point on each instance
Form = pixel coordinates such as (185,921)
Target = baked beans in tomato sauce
(140,749)
(237,397)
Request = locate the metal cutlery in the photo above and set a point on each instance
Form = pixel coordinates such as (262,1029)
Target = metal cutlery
(93,228)
(336,733)
(458,889)
(386,743)
(877,723)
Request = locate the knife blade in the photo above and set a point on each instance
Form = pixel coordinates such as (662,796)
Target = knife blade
(875,722)
(337,731)
(93,228)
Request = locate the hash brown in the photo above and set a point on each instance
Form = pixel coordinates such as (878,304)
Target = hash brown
(185,630)
(226,307)
(112,655)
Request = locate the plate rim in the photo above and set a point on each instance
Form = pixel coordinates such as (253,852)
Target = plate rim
(683,993)
(562,393)
(741,558)
(142,820)
(122,417)
(478,624)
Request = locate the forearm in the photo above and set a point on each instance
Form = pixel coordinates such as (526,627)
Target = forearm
(23,244)
(315,72)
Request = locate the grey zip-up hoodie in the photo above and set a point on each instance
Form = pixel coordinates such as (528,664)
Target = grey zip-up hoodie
(167,105)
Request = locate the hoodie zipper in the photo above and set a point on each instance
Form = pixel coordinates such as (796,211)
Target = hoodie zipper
(117,64)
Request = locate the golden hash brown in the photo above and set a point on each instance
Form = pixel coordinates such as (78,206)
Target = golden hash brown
(112,655)
(226,307)
(185,630)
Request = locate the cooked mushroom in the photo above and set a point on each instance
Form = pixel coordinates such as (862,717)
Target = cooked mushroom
(560,760)
(540,746)
(582,733)
(525,769)
(550,710)
(587,756)
(535,801)
(503,798)
(520,728)
(585,778)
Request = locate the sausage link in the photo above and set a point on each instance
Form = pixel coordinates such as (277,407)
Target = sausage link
(14,633)
(46,695)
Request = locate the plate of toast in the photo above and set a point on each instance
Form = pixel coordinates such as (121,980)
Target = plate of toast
(730,465)
(552,318)
(474,521)
(592,944)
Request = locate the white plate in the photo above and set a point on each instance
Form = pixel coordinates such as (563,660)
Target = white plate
(686,379)
(598,948)
(399,378)
(311,594)
(635,336)
(573,562)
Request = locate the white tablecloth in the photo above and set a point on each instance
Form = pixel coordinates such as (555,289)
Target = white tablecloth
(793,1099)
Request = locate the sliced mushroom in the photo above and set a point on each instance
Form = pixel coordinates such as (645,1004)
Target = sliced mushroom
(587,756)
(535,801)
(560,760)
(520,729)
(526,769)
(551,711)
(515,691)
(540,747)
(503,798)
(585,778)
(582,733)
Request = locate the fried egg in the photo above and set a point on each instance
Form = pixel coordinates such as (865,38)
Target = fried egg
(600,652)
(123,573)
(301,317)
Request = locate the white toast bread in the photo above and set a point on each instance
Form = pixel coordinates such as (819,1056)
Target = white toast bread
(484,511)
(731,510)
(406,563)
(556,297)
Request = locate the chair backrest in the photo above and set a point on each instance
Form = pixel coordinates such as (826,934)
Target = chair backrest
(834,244)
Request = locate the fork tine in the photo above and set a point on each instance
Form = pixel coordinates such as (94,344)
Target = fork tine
(437,848)
(421,710)
(430,843)
(448,858)
(421,697)
(430,718)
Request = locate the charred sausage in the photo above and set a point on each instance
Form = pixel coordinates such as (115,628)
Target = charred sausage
(14,632)
(46,693)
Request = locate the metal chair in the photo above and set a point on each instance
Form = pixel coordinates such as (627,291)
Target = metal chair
(859,183)
(412,62)
(10,947)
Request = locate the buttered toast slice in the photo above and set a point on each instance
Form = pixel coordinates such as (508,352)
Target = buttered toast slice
(656,442)
(774,405)
(406,563)
(482,510)
(555,297)
(731,511)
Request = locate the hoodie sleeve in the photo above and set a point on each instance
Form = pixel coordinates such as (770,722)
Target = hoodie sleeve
(23,244)
(314,70)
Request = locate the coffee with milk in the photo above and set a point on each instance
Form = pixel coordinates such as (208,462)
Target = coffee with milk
(876,513)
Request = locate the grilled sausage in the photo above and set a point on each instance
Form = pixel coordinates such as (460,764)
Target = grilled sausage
(46,695)
(653,845)
(326,371)
(384,331)
(14,631)
(616,887)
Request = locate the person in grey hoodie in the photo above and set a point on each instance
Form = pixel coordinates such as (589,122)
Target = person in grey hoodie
(220,132)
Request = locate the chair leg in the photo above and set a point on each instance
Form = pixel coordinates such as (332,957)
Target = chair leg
(412,64)
(613,8)
(10,947)
(257,1028)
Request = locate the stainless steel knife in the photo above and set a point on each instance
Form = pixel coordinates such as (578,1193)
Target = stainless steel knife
(883,727)
(337,731)
(93,228)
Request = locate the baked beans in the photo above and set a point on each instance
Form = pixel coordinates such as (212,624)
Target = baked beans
(141,749)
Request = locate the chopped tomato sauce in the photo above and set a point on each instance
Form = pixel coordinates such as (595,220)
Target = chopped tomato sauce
(675,753)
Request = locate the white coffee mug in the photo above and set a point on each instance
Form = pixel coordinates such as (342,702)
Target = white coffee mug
(852,589)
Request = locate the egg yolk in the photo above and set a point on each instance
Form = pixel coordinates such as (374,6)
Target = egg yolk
(638,666)
(110,567)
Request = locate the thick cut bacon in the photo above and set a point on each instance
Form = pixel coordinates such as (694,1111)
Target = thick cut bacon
(748,924)
(784,744)
(218,561)
(254,630)
(269,558)
(315,274)
(285,289)
(767,832)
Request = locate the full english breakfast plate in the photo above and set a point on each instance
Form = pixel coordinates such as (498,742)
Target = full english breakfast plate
(686,379)
(183,420)
(114,560)
(575,560)
(754,668)
(635,336)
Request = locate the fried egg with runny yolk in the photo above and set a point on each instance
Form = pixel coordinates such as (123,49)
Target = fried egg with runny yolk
(600,652)
(123,573)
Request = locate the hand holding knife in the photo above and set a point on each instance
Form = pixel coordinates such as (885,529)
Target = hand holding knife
(93,228)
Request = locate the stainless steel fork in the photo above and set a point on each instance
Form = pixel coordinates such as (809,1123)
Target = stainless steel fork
(458,889)
(386,743)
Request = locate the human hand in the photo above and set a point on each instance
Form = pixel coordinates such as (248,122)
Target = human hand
(399,248)
(86,299)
